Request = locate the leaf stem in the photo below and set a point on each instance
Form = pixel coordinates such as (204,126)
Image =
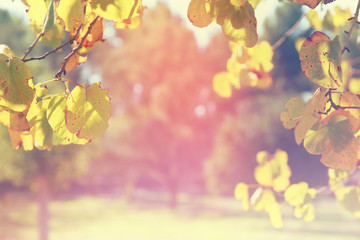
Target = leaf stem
(75,50)
(287,33)
(355,21)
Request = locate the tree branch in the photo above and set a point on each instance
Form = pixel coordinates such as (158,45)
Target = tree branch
(355,21)
(57,49)
(75,50)
(33,45)
(287,33)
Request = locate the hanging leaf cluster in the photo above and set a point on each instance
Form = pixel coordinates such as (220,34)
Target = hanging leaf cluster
(328,124)
(236,18)
(246,68)
(273,177)
(32,116)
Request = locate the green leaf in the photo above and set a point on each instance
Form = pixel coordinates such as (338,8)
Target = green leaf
(334,139)
(303,116)
(349,198)
(198,14)
(50,18)
(87,111)
(56,117)
(321,60)
(43,132)
(15,92)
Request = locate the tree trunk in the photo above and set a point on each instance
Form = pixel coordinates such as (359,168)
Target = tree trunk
(43,201)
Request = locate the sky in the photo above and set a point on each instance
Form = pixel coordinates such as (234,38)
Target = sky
(179,7)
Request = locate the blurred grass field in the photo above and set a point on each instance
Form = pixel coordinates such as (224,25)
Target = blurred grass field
(200,218)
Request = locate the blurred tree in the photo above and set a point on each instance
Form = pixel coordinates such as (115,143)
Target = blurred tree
(162,95)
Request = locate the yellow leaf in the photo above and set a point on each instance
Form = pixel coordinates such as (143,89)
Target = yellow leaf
(241,192)
(274,172)
(222,84)
(72,13)
(314,19)
(354,85)
(264,200)
(87,111)
(5,49)
(116,9)
(261,57)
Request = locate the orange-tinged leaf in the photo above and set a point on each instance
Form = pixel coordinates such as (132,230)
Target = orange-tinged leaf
(14,120)
(131,23)
(345,159)
(309,3)
(73,61)
(238,3)
(334,139)
(241,192)
(197,13)
(22,139)
(321,60)
(15,92)
(87,111)
(96,32)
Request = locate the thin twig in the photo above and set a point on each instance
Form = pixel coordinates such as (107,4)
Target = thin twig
(57,80)
(75,50)
(57,49)
(355,21)
(33,45)
(287,33)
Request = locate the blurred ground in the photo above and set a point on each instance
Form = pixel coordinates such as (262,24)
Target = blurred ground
(200,218)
